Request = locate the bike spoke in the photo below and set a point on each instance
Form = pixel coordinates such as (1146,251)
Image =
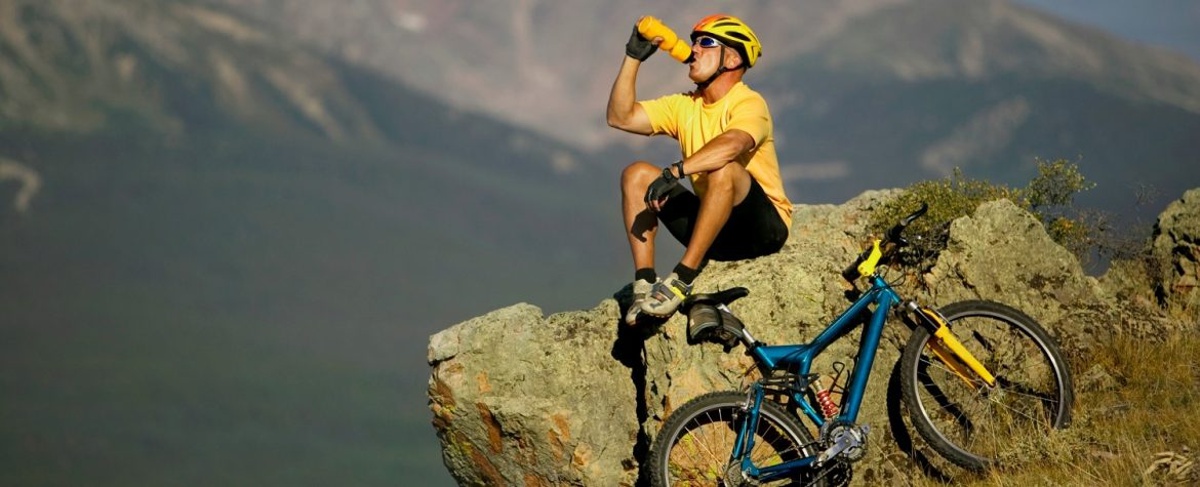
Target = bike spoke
(1014,388)
(712,455)
(1012,409)
(697,443)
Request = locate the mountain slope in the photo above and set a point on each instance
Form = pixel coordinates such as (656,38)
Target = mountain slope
(988,87)
(1169,23)
(182,99)
(976,41)
(236,247)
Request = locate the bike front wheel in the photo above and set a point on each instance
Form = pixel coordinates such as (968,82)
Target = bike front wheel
(696,443)
(964,420)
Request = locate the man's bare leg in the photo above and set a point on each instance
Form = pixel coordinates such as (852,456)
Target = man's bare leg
(641,225)
(727,187)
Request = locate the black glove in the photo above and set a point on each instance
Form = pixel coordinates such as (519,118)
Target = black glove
(639,47)
(661,188)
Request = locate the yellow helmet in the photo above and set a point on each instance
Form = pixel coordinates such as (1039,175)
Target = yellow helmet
(732,32)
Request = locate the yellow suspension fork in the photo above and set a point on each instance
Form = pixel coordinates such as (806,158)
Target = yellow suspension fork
(950,351)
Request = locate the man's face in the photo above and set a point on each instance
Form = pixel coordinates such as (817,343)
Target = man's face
(707,58)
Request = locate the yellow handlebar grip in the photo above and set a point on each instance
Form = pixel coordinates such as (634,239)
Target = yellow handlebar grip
(650,27)
(868,266)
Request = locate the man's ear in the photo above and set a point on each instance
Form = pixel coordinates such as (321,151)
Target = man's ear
(734,61)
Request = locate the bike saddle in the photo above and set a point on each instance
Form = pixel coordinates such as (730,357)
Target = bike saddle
(707,323)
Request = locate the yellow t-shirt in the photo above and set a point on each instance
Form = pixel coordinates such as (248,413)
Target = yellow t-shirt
(686,118)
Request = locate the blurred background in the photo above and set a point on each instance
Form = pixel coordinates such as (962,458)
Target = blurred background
(229,227)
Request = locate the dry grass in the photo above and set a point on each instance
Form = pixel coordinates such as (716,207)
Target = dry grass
(1137,422)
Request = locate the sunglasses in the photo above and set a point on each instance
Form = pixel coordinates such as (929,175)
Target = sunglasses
(706,42)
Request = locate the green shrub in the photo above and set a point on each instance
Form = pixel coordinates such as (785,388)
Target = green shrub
(1049,196)
(1055,186)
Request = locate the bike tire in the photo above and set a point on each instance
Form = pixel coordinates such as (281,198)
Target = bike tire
(695,443)
(976,427)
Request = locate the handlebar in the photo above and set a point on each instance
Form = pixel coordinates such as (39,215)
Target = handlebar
(894,234)
(894,240)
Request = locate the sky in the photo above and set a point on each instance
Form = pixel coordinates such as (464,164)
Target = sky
(1174,24)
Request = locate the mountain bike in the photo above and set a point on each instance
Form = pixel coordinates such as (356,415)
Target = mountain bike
(981,381)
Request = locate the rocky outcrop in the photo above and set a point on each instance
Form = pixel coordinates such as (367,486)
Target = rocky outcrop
(1176,250)
(520,398)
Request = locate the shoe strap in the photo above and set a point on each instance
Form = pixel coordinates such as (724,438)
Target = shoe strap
(677,292)
(677,287)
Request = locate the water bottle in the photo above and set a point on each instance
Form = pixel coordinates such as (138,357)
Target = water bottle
(651,27)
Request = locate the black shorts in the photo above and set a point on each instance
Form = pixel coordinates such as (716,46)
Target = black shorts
(754,228)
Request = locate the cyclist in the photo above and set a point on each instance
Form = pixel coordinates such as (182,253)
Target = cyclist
(739,209)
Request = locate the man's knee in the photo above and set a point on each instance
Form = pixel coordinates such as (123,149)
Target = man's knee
(639,173)
(728,173)
(731,177)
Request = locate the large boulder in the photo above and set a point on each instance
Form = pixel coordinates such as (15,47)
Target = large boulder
(521,399)
(1003,253)
(576,398)
(1176,250)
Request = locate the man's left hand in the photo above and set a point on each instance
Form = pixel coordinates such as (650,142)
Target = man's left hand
(660,189)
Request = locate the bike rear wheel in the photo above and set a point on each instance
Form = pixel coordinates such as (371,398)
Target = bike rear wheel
(975,426)
(695,444)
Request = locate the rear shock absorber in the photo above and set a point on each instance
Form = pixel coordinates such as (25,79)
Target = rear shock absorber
(825,395)
(828,408)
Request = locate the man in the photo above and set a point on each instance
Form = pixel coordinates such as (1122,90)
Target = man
(739,209)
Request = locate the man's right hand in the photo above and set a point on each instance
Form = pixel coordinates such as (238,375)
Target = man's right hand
(639,47)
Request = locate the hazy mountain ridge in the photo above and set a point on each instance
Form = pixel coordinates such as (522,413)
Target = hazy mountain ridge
(135,56)
(549,65)
(857,88)
(936,39)
(546,65)
(174,70)
(180,67)
(918,89)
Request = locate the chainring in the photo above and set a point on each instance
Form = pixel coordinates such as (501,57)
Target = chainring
(833,431)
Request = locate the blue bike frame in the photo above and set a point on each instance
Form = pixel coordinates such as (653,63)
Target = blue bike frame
(800,358)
